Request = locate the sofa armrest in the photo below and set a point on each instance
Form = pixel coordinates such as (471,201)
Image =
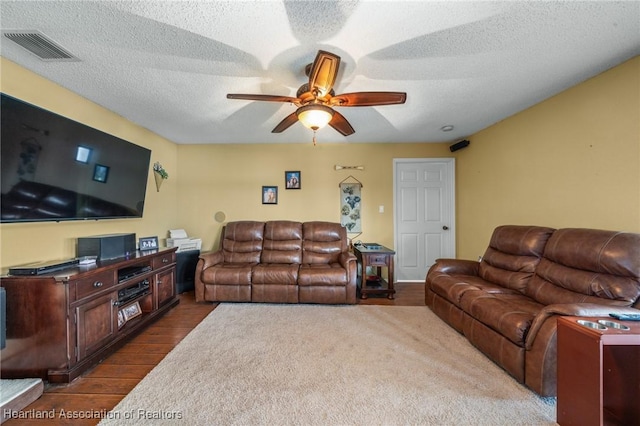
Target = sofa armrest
(349,262)
(572,309)
(211,258)
(455,266)
(345,258)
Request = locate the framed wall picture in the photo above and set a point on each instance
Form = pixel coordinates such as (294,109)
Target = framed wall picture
(292,180)
(131,311)
(269,195)
(100,173)
(148,243)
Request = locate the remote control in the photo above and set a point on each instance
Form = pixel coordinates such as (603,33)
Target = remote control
(626,317)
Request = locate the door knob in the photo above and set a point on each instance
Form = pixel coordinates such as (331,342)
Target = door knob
(445,227)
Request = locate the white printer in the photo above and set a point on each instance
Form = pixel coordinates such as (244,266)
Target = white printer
(178,238)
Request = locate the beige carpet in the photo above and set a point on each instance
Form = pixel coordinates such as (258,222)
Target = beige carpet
(250,364)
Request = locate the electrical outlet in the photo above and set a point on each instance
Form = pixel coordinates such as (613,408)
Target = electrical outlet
(380,209)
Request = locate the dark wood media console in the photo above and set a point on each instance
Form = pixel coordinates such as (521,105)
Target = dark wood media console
(61,324)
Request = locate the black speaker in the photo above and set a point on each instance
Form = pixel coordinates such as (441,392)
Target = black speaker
(110,246)
(459,145)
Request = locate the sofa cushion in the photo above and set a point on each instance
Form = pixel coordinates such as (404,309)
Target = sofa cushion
(228,274)
(510,315)
(282,242)
(452,287)
(322,274)
(512,255)
(275,273)
(588,266)
(323,242)
(242,242)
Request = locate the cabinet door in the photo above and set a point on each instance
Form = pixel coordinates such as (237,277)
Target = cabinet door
(96,324)
(165,287)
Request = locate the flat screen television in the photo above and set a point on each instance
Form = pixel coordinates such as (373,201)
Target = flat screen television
(55,169)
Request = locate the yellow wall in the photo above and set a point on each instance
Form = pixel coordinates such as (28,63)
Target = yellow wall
(229,178)
(205,179)
(570,161)
(32,242)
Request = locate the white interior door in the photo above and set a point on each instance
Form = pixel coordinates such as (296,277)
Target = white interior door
(424,214)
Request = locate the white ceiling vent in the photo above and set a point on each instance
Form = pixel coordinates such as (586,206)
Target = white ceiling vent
(40,45)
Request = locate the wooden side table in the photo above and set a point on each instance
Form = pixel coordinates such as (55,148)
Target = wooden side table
(372,254)
(598,372)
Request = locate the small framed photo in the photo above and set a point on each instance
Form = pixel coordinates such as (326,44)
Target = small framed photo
(131,311)
(100,173)
(269,195)
(148,243)
(121,319)
(292,180)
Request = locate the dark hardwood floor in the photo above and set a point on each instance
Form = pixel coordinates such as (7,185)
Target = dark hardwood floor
(100,389)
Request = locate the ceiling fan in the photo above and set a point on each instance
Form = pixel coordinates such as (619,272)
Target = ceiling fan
(315,100)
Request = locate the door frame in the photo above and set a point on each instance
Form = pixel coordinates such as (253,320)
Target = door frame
(451,168)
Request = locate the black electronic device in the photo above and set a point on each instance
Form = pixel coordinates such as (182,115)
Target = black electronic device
(459,145)
(186,262)
(42,268)
(132,292)
(129,272)
(372,246)
(110,246)
(56,169)
(626,317)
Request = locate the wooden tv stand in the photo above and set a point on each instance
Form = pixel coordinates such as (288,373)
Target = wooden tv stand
(62,324)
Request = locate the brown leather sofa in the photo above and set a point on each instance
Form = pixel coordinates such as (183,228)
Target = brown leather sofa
(507,304)
(279,262)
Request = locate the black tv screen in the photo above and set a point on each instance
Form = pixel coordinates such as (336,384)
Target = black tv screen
(55,169)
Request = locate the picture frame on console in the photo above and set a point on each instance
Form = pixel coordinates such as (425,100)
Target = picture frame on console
(148,243)
(121,319)
(131,311)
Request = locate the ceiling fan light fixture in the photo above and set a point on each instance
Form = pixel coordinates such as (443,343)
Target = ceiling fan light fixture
(314,116)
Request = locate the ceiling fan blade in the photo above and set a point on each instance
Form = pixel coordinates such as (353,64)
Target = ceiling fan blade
(323,72)
(269,98)
(369,99)
(341,124)
(288,121)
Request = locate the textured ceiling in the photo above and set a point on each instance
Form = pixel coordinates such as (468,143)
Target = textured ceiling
(168,65)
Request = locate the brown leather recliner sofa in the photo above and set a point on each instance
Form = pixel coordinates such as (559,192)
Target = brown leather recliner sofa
(507,304)
(279,262)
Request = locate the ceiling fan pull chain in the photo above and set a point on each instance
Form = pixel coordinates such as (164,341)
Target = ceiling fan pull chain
(314,138)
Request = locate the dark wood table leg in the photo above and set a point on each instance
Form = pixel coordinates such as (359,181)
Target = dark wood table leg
(363,284)
(390,270)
